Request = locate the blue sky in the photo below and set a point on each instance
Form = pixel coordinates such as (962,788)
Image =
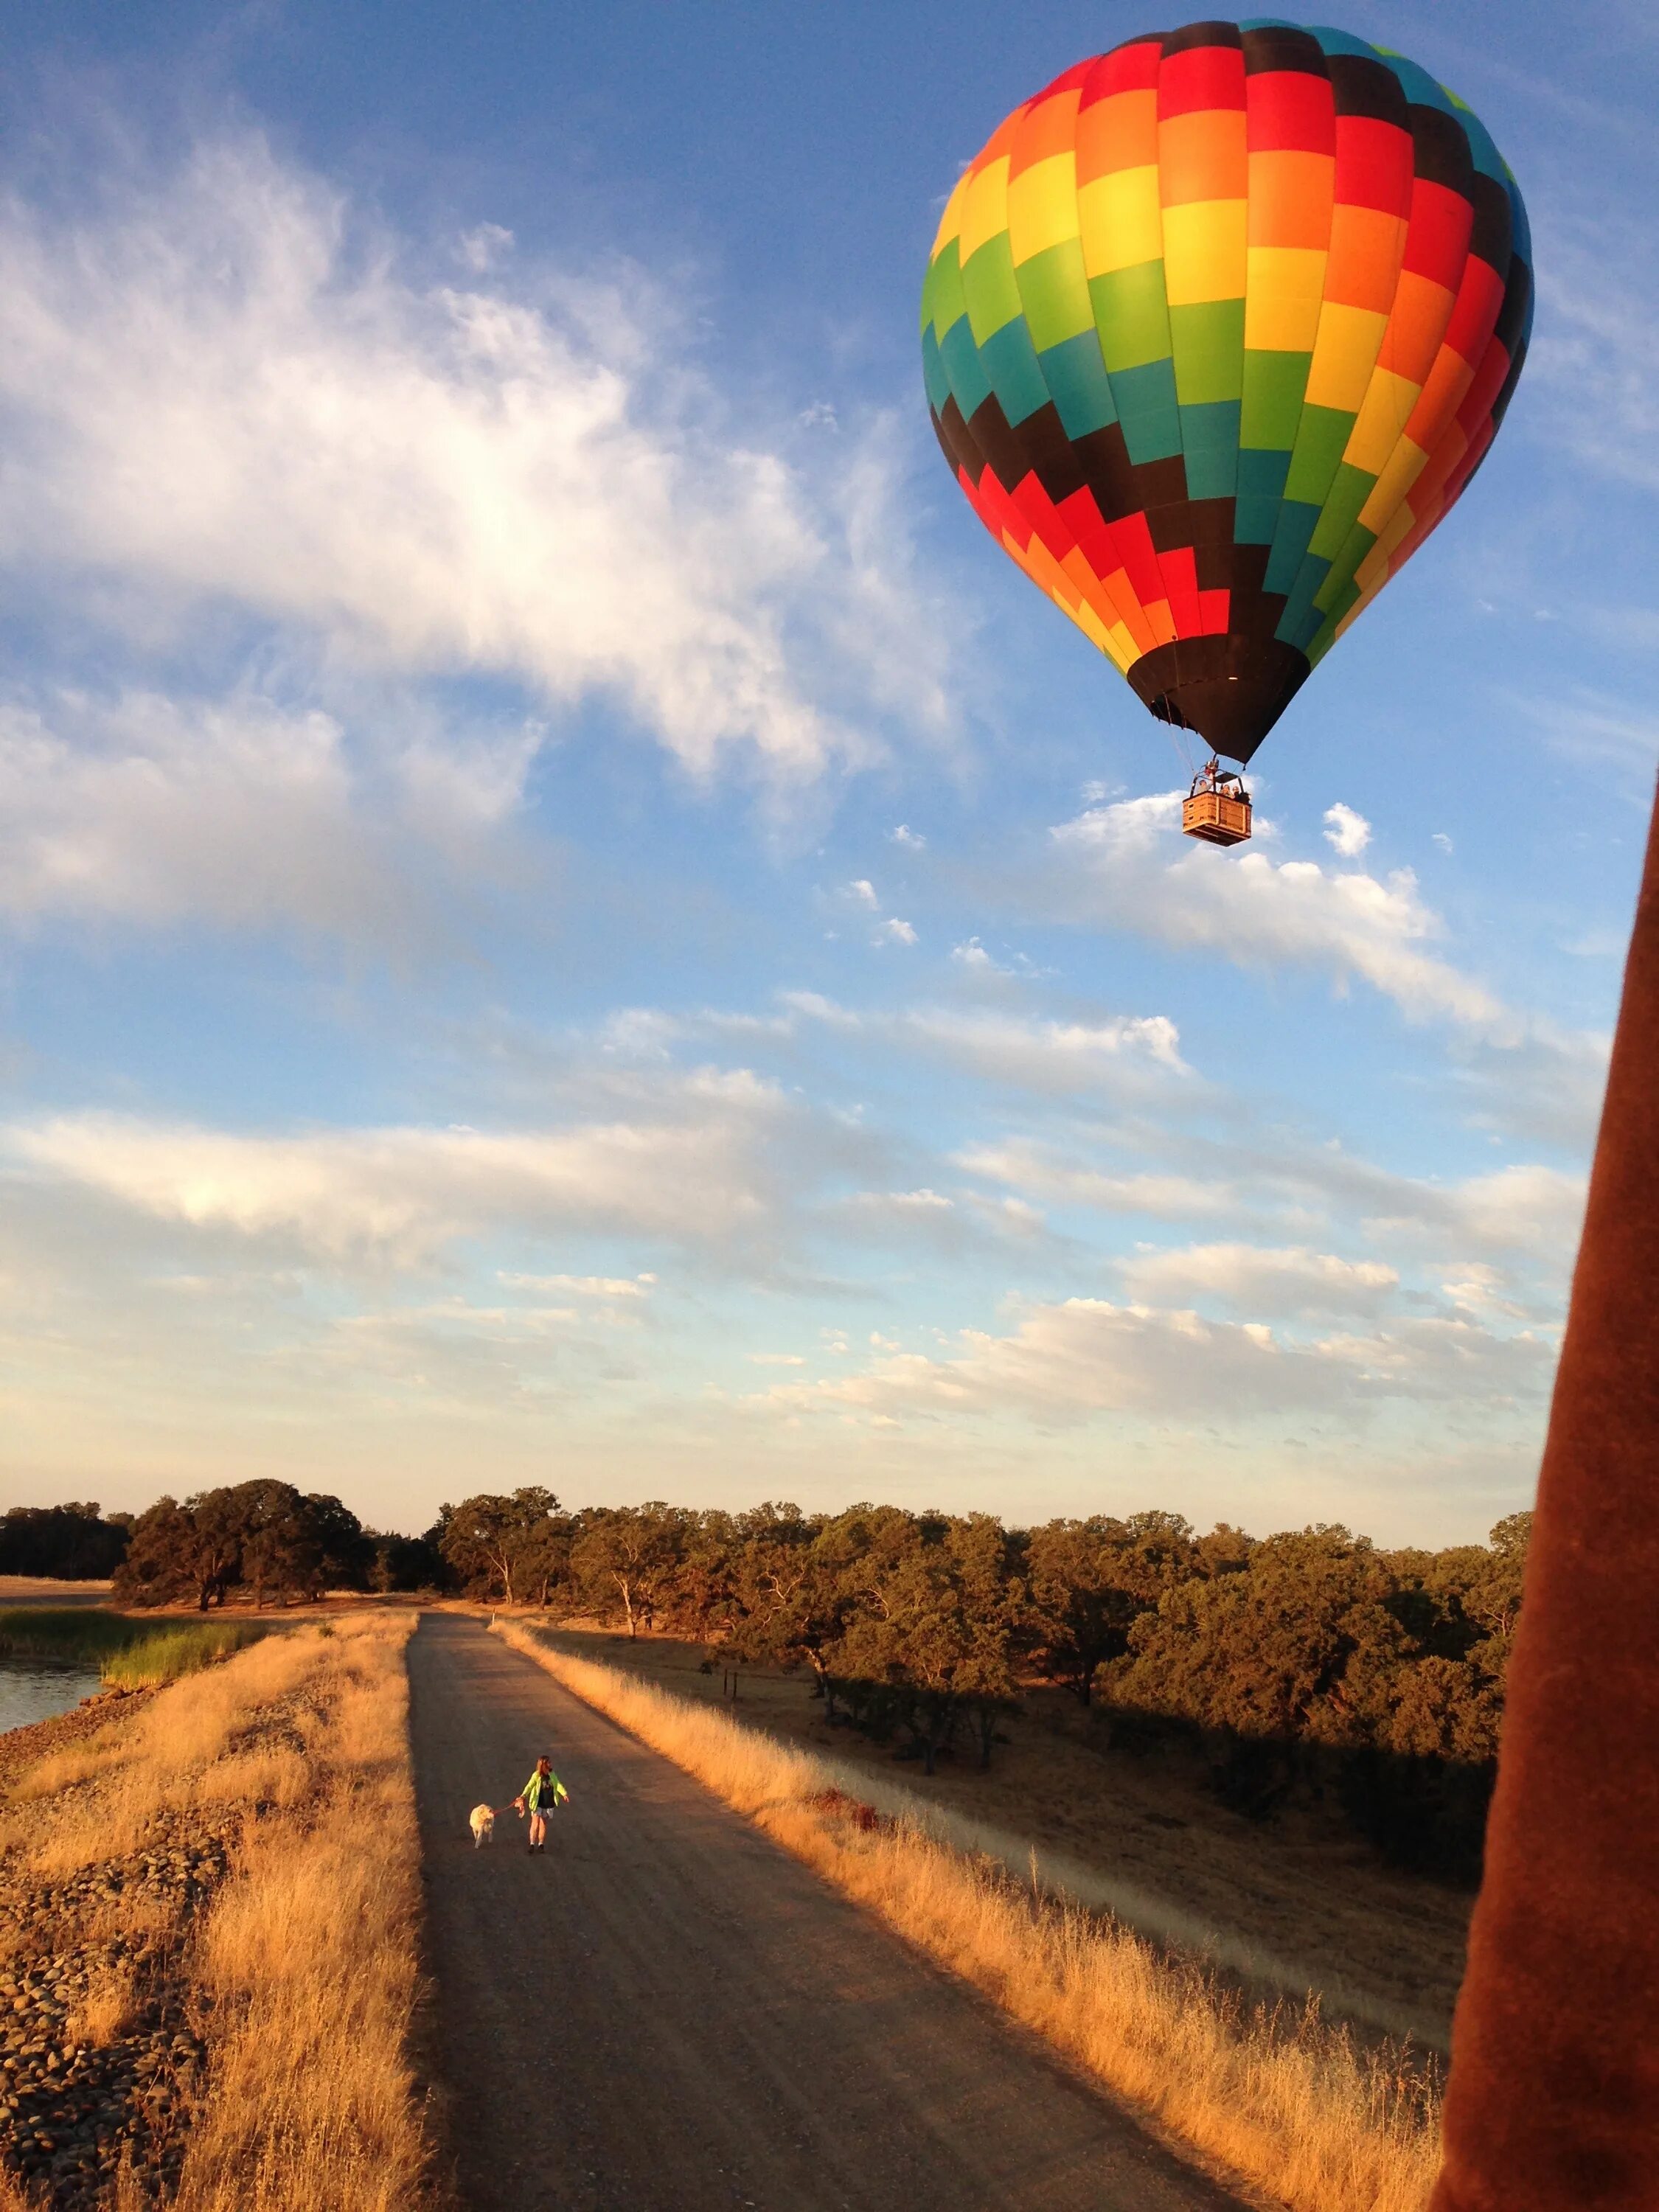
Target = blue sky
(564,916)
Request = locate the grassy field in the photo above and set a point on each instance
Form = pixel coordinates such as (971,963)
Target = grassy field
(1294,1904)
(129,1653)
(209,1915)
(1288,2103)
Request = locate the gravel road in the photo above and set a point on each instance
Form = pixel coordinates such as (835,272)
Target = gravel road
(666,2012)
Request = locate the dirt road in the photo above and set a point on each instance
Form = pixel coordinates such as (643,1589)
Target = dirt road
(666,2012)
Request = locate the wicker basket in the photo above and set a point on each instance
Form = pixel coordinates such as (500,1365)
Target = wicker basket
(1216,818)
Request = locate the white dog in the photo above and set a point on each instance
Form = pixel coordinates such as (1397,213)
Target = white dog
(483,1824)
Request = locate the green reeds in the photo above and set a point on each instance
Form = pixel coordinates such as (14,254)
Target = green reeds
(129,1654)
(163,1654)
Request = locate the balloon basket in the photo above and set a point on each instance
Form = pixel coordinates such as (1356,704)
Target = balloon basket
(1217,810)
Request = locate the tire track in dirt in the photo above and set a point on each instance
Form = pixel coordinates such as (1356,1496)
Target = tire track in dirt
(666,2012)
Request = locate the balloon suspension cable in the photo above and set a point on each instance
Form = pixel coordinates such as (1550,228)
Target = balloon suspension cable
(1181,734)
(1181,738)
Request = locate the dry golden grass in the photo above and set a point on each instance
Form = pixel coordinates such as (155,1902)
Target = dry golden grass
(157,1758)
(106,2010)
(306,1966)
(1286,2103)
(278,1776)
(302,1973)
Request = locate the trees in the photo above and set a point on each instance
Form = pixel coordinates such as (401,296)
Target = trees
(625,1560)
(190,1550)
(1089,1582)
(296,1547)
(790,1596)
(402,1563)
(262,1535)
(1323,1660)
(502,1545)
(1265,1652)
(908,1621)
(73,1542)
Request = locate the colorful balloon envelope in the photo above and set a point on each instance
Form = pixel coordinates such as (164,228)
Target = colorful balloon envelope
(1215,332)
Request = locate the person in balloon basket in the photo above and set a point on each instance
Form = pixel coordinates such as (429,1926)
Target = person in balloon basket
(537,1798)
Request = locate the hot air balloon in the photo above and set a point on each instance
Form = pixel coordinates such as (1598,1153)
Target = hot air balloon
(1215,332)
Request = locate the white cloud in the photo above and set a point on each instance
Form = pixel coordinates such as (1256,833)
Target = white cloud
(1529,1209)
(1054,1057)
(1081,1357)
(972,956)
(1118,866)
(912,840)
(1262,1280)
(894,931)
(1120,869)
(862,892)
(1166,1197)
(401,1195)
(225,388)
(903,1201)
(587,1286)
(155,810)
(1346,832)
(486,246)
(1440,838)
(1065,1362)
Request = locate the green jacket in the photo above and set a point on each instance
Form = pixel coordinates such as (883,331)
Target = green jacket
(542,1787)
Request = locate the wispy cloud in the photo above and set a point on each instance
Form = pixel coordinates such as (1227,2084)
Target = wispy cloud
(1589,372)
(151,810)
(1082,1357)
(1119,865)
(1263,1280)
(227,387)
(698,1171)
(1057,1057)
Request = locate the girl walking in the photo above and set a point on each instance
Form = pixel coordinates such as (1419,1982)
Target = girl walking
(539,1796)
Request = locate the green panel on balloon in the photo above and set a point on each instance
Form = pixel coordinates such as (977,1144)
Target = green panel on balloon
(1274,385)
(1350,488)
(934,374)
(942,300)
(1131,315)
(1055,294)
(1208,345)
(1357,545)
(966,371)
(989,286)
(1320,441)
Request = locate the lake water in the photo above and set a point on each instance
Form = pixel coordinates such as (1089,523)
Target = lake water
(34,1689)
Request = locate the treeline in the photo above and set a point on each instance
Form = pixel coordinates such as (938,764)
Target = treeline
(263,1541)
(1309,1663)
(70,1543)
